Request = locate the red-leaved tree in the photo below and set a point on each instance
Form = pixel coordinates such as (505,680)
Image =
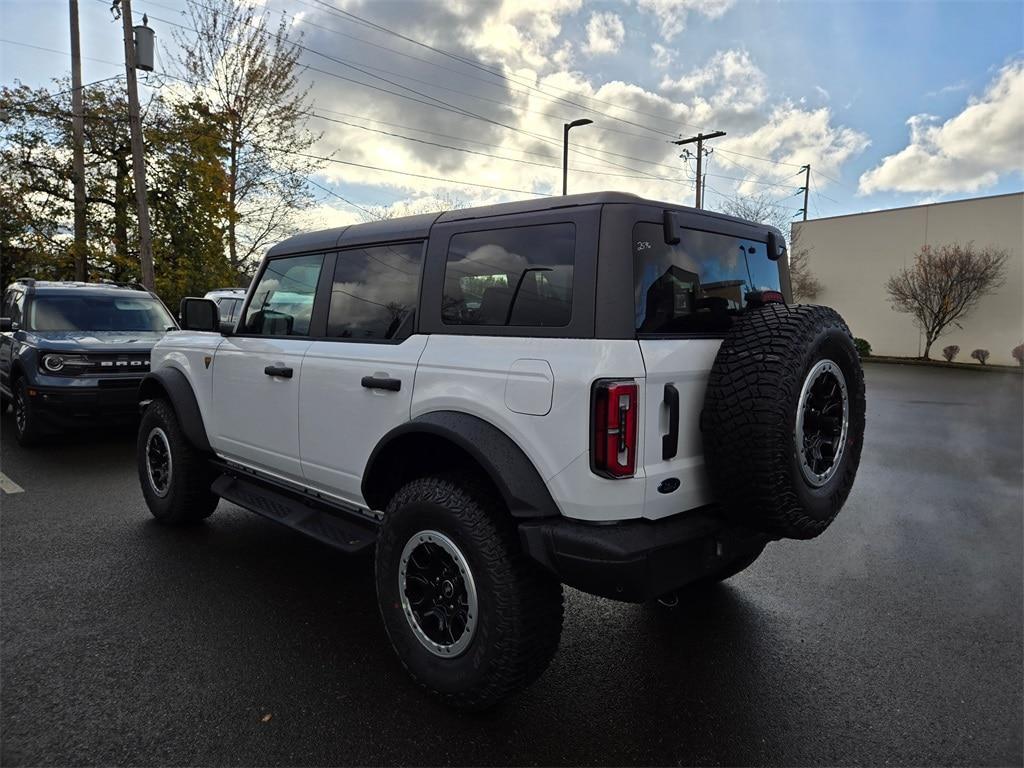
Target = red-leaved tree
(944,284)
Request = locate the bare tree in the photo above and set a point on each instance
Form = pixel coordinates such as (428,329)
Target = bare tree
(433,204)
(247,72)
(765,210)
(944,284)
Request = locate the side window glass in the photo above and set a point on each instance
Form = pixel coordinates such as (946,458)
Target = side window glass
(282,304)
(516,276)
(375,292)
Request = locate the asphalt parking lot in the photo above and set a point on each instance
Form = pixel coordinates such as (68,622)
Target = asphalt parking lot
(894,638)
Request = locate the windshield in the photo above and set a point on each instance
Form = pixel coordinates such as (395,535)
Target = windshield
(98,312)
(698,285)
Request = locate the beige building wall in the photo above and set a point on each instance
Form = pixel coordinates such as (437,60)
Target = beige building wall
(853,257)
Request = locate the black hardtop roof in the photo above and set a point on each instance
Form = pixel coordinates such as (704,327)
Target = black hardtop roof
(73,286)
(418,227)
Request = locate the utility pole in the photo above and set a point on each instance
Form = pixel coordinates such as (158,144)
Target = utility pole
(138,150)
(700,138)
(807,187)
(77,148)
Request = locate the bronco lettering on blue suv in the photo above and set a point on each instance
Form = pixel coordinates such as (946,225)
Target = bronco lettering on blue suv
(594,390)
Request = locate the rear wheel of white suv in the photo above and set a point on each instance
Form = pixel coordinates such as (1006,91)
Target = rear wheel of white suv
(470,616)
(175,477)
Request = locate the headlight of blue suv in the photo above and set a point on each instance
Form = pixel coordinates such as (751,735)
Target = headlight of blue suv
(53,363)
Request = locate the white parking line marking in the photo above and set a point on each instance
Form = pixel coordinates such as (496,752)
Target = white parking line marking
(9,486)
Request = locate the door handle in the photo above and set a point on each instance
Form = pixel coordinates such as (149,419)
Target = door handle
(374,382)
(281,371)
(670,442)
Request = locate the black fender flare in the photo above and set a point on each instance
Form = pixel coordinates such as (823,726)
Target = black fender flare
(174,385)
(506,465)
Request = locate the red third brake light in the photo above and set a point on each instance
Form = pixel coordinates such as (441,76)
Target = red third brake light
(613,441)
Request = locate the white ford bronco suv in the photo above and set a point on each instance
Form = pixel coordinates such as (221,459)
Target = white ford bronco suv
(595,390)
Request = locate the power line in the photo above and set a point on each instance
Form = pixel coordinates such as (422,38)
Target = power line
(351,17)
(344,199)
(410,173)
(763,159)
(433,102)
(446,106)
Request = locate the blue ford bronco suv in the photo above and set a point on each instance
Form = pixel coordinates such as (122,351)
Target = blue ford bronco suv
(75,353)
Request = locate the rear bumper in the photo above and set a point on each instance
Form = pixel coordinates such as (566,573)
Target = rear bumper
(636,560)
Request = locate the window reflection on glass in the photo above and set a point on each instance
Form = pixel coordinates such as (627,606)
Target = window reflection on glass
(519,276)
(698,285)
(282,304)
(375,291)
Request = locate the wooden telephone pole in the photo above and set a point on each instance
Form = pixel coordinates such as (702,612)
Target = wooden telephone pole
(79,248)
(700,139)
(138,150)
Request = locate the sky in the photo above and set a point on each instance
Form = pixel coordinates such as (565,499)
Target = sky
(891,104)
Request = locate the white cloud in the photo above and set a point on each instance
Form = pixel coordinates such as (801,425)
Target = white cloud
(663,57)
(951,88)
(822,92)
(672,14)
(964,153)
(605,33)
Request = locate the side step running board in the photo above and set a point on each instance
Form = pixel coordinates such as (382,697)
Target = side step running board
(338,529)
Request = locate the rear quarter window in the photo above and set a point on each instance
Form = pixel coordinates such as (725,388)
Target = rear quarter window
(520,276)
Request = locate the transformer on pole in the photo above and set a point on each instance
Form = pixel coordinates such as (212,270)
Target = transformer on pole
(145,43)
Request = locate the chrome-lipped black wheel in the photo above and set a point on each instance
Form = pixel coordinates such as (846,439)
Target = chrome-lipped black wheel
(822,421)
(158,461)
(438,593)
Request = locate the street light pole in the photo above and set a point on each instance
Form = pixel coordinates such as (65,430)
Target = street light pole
(565,150)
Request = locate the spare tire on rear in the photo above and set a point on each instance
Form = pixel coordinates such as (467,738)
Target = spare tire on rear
(783,419)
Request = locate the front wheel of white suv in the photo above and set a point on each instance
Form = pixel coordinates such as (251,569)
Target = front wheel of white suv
(470,615)
(175,477)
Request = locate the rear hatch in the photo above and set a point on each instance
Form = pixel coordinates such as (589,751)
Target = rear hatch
(687,294)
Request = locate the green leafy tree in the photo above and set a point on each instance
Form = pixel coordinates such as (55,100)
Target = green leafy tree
(248,72)
(188,200)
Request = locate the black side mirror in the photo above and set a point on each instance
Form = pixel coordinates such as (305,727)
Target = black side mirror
(776,247)
(199,315)
(227,327)
(5,324)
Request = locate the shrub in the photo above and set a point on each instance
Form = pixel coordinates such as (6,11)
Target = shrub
(950,352)
(981,355)
(863,347)
(1018,354)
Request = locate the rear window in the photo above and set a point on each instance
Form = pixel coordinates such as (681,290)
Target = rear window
(698,285)
(515,276)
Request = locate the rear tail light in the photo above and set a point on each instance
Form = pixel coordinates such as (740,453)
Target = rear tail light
(613,423)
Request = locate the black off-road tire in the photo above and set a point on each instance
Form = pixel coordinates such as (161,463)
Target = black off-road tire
(27,430)
(186,496)
(519,619)
(749,421)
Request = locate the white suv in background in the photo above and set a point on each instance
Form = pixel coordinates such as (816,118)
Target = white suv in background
(229,301)
(595,390)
